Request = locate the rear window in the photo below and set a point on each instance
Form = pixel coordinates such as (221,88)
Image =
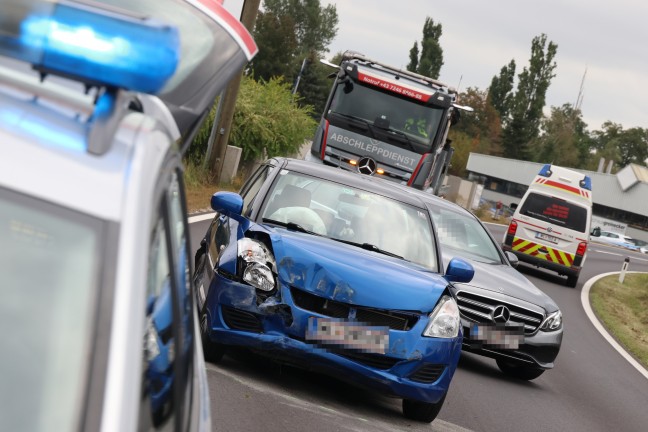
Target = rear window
(555,211)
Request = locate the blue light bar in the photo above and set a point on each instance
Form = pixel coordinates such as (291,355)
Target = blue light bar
(96,46)
(586,183)
(545,171)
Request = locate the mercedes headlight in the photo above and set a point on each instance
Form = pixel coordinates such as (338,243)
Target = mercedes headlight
(444,320)
(553,322)
(255,264)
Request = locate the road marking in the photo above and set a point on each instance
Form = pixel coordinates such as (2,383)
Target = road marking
(201,217)
(332,413)
(597,324)
(606,252)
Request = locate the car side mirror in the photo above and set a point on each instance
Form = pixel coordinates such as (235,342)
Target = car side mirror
(513,259)
(513,206)
(227,203)
(459,270)
(596,232)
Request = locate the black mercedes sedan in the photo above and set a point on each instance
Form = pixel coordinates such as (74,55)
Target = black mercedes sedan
(504,316)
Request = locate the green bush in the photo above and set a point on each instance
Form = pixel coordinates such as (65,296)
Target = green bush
(268,121)
(267,118)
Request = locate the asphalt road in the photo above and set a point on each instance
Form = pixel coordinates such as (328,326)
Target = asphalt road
(592,387)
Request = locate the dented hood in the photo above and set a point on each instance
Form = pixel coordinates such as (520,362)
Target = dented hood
(348,274)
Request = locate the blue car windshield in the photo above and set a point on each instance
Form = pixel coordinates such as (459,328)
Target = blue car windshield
(49,262)
(353,215)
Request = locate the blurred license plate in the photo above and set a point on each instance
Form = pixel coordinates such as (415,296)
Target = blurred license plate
(348,334)
(497,336)
(547,237)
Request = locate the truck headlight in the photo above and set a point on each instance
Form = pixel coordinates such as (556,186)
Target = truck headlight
(444,320)
(255,264)
(553,322)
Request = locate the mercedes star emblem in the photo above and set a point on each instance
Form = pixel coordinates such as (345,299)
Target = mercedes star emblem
(501,314)
(367,166)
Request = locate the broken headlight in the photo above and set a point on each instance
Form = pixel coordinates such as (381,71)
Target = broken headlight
(255,264)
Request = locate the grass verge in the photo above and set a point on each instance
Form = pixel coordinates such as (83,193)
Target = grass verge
(200,187)
(623,310)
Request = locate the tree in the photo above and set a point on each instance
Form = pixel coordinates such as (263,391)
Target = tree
(564,140)
(287,32)
(621,146)
(483,125)
(431,57)
(523,125)
(500,92)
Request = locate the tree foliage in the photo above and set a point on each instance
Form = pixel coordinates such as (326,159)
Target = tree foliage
(289,31)
(523,124)
(500,92)
(430,60)
(564,140)
(483,125)
(268,120)
(624,147)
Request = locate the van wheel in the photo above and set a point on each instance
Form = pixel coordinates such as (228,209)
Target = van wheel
(572,281)
(521,372)
(422,411)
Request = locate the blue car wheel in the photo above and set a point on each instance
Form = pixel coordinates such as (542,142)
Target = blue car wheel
(422,411)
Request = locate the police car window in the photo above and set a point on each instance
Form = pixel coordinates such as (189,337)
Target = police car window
(555,211)
(50,262)
(158,408)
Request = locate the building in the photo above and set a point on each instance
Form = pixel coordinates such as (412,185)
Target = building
(621,197)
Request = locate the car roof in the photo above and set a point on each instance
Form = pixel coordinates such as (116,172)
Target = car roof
(373,184)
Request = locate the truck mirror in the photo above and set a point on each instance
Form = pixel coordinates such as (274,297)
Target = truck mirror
(596,232)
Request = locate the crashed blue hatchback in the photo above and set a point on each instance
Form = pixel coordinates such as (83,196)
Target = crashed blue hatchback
(337,272)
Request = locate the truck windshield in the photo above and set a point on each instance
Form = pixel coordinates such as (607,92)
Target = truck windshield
(50,266)
(555,211)
(418,122)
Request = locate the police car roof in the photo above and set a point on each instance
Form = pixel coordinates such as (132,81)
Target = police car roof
(45,157)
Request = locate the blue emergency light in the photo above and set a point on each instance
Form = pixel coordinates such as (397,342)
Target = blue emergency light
(545,171)
(586,183)
(92,45)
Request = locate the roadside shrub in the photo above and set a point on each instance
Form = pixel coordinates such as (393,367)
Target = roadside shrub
(268,121)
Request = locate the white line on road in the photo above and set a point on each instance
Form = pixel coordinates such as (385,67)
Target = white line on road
(597,324)
(200,218)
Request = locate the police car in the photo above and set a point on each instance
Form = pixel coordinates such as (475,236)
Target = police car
(99,328)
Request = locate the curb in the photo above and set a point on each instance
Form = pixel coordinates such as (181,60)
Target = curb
(598,326)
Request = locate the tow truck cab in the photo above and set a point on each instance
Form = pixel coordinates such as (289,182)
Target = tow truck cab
(381,120)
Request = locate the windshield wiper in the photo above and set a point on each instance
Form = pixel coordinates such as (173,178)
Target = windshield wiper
(366,125)
(291,226)
(370,247)
(402,138)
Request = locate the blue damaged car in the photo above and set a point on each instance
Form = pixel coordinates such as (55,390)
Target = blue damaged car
(336,272)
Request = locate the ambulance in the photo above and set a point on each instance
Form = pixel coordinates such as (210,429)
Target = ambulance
(550,227)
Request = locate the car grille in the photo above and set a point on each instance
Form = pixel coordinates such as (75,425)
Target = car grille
(241,320)
(428,374)
(335,309)
(478,309)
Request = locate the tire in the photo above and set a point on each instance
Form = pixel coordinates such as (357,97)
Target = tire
(521,372)
(213,352)
(422,411)
(572,281)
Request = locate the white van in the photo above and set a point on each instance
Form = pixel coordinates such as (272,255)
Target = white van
(550,227)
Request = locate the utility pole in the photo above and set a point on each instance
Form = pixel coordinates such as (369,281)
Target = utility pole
(222,126)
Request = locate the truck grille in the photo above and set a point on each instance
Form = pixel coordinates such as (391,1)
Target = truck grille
(477,308)
(374,317)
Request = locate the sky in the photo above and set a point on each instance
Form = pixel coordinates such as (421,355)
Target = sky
(605,38)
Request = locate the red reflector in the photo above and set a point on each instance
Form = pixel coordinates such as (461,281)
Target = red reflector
(582,248)
(512,228)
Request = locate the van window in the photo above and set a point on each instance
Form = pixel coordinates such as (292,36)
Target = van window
(555,211)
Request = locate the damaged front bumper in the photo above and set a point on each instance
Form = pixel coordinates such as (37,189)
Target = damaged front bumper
(413,366)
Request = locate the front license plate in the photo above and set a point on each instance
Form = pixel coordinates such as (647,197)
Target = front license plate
(547,237)
(497,336)
(348,334)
